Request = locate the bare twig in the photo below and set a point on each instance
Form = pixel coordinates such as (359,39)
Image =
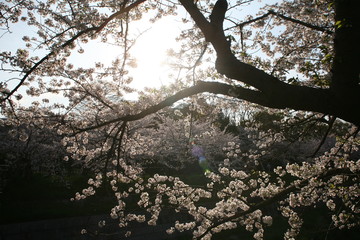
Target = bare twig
(69,42)
(293,20)
(331,123)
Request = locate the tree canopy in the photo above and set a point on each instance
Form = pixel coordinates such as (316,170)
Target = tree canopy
(275,83)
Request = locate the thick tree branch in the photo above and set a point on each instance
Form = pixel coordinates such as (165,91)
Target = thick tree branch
(226,61)
(311,99)
(218,13)
(198,17)
(345,82)
(278,94)
(294,97)
(200,87)
(346,64)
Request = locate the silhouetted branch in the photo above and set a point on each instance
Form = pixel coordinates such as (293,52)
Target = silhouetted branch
(67,43)
(331,123)
(293,20)
(279,196)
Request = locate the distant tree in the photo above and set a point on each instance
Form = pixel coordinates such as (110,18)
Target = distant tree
(26,150)
(299,58)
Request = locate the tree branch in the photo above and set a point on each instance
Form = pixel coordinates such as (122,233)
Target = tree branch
(274,92)
(200,87)
(290,96)
(293,20)
(68,42)
(347,49)
(279,196)
(119,13)
(241,25)
(36,65)
(226,61)
(308,25)
(330,125)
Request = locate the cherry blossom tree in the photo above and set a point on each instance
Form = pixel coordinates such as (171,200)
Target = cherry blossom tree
(296,58)
(30,149)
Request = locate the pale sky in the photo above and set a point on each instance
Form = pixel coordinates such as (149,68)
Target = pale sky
(150,48)
(149,51)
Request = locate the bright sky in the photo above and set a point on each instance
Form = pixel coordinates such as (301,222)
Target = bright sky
(150,49)
(150,53)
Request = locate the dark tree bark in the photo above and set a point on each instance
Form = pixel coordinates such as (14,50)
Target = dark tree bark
(340,100)
(345,84)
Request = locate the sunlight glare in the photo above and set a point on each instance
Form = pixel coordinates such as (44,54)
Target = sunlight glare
(150,53)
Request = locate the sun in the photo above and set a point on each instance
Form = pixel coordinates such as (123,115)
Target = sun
(150,52)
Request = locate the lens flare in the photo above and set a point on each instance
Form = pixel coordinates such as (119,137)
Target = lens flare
(198,151)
